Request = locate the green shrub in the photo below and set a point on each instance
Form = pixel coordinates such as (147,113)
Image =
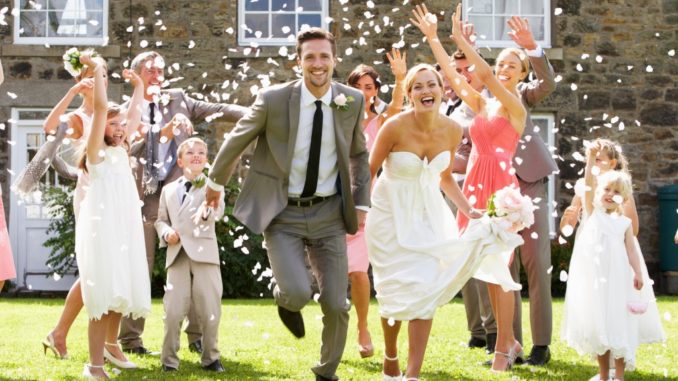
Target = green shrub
(560,260)
(61,228)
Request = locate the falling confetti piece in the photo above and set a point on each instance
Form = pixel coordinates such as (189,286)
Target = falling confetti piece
(391,321)
(568,230)
(672,52)
(667,316)
(649,69)
(573,87)
(599,59)
(558,11)
(563,276)
(579,67)
(143,44)
(549,270)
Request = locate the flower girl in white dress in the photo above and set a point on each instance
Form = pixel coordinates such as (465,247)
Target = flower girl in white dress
(609,303)
(109,234)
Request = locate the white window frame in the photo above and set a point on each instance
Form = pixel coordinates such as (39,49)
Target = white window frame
(266,41)
(97,41)
(492,43)
(551,185)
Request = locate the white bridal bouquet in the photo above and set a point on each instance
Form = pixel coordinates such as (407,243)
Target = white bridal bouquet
(510,210)
(72,61)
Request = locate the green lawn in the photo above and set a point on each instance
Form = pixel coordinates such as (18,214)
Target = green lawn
(255,346)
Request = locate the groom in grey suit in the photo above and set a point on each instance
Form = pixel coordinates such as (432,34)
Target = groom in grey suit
(308,185)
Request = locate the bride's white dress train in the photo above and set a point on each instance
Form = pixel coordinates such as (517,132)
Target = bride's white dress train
(419,262)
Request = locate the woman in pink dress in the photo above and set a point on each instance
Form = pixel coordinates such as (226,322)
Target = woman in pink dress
(495,132)
(7,270)
(366,79)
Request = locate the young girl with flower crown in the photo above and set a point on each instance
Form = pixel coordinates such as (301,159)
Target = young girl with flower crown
(109,243)
(609,303)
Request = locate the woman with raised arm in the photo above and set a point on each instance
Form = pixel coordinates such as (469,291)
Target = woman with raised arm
(495,132)
(366,79)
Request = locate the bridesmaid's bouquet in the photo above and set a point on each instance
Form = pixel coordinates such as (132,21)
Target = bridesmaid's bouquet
(510,210)
(72,61)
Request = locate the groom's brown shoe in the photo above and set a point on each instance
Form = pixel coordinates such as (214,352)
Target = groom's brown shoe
(293,321)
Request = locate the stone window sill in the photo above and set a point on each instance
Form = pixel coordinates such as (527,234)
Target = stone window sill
(108,51)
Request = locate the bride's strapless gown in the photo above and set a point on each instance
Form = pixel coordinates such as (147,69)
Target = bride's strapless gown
(418,260)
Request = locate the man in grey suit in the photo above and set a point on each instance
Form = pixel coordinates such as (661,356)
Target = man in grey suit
(167,116)
(308,185)
(533,163)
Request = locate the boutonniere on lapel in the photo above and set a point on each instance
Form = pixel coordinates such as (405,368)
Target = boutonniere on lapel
(198,182)
(341,102)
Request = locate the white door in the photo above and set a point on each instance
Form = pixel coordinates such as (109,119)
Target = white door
(29,219)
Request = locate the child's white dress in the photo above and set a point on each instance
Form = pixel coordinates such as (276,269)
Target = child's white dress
(599,288)
(109,241)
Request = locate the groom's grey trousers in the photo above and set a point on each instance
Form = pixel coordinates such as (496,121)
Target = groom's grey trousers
(320,228)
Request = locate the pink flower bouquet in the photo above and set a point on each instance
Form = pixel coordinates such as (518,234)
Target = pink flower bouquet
(509,209)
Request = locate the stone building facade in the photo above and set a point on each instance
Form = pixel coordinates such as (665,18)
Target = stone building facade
(614,59)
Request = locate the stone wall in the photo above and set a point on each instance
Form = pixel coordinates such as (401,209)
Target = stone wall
(631,36)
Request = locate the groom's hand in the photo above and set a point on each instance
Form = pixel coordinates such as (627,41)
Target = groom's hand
(212,197)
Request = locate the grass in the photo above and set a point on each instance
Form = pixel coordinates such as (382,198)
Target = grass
(255,346)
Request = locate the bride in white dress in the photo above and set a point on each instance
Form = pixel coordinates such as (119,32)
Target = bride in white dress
(418,260)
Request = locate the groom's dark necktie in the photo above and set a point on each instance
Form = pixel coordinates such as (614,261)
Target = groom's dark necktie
(152,136)
(311,182)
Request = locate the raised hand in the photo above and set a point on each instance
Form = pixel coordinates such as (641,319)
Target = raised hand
(520,33)
(458,27)
(398,64)
(468,31)
(180,123)
(425,21)
(132,76)
(82,86)
(87,59)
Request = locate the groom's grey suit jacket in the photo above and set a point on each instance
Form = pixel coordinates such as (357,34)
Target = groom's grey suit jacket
(274,121)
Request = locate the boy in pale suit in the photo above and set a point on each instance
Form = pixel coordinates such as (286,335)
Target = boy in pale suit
(192,262)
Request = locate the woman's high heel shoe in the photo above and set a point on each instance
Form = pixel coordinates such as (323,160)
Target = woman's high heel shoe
(509,363)
(48,343)
(126,364)
(391,378)
(515,354)
(87,372)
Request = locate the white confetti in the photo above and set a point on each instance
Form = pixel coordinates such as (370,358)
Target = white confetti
(534,235)
(579,67)
(558,78)
(11,95)
(549,270)
(573,87)
(558,11)
(563,276)
(667,316)
(599,59)
(672,52)
(649,69)
(391,322)
(191,44)
(143,44)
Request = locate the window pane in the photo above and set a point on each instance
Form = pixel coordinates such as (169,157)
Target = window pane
(483,26)
(35,4)
(310,5)
(501,29)
(256,23)
(33,23)
(283,5)
(256,5)
(94,5)
(480,6)
(537,27)
(508,7)
(282,20)
(310,20)
(531,7)
(95,24)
